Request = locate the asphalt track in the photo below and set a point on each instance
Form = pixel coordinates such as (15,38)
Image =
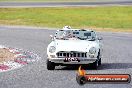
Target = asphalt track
(117,58)
(58,4)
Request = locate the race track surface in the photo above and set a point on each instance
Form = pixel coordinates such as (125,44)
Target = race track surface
(56,4)
(117,58)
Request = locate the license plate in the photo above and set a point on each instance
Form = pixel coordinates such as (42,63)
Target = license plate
(71,60)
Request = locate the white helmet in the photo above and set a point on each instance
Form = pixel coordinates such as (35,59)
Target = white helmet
(66,27)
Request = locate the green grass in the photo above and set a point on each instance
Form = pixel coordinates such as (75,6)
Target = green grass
(79,17)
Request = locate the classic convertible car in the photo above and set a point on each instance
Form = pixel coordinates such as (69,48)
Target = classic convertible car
(74,46)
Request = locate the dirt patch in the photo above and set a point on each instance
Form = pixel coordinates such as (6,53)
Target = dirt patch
(6,55)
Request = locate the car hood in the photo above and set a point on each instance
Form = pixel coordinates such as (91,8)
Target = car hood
(76,45)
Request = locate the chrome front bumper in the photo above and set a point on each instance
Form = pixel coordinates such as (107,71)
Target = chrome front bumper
(81,60)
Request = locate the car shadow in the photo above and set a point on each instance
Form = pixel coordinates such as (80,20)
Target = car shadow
(104,66)
(72,67)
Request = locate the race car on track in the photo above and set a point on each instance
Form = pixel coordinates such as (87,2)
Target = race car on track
(74,46)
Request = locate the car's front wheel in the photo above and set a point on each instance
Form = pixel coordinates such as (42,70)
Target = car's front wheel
(95,65)
(50,65)
(99,59)
(97,62)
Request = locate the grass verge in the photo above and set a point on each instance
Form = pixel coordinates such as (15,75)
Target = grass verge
(100,18)
(51,0)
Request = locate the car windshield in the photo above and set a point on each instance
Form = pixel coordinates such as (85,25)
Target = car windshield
(78,34)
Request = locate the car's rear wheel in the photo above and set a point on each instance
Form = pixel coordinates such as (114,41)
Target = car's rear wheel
(50,65)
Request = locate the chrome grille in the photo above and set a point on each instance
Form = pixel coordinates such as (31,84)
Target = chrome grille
(62,54)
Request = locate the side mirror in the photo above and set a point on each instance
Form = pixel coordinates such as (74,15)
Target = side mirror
(100,38)
(52,37)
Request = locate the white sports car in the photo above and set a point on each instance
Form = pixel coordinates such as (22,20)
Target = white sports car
(74,46)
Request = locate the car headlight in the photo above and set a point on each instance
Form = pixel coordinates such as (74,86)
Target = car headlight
(92,50)
(52,49)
